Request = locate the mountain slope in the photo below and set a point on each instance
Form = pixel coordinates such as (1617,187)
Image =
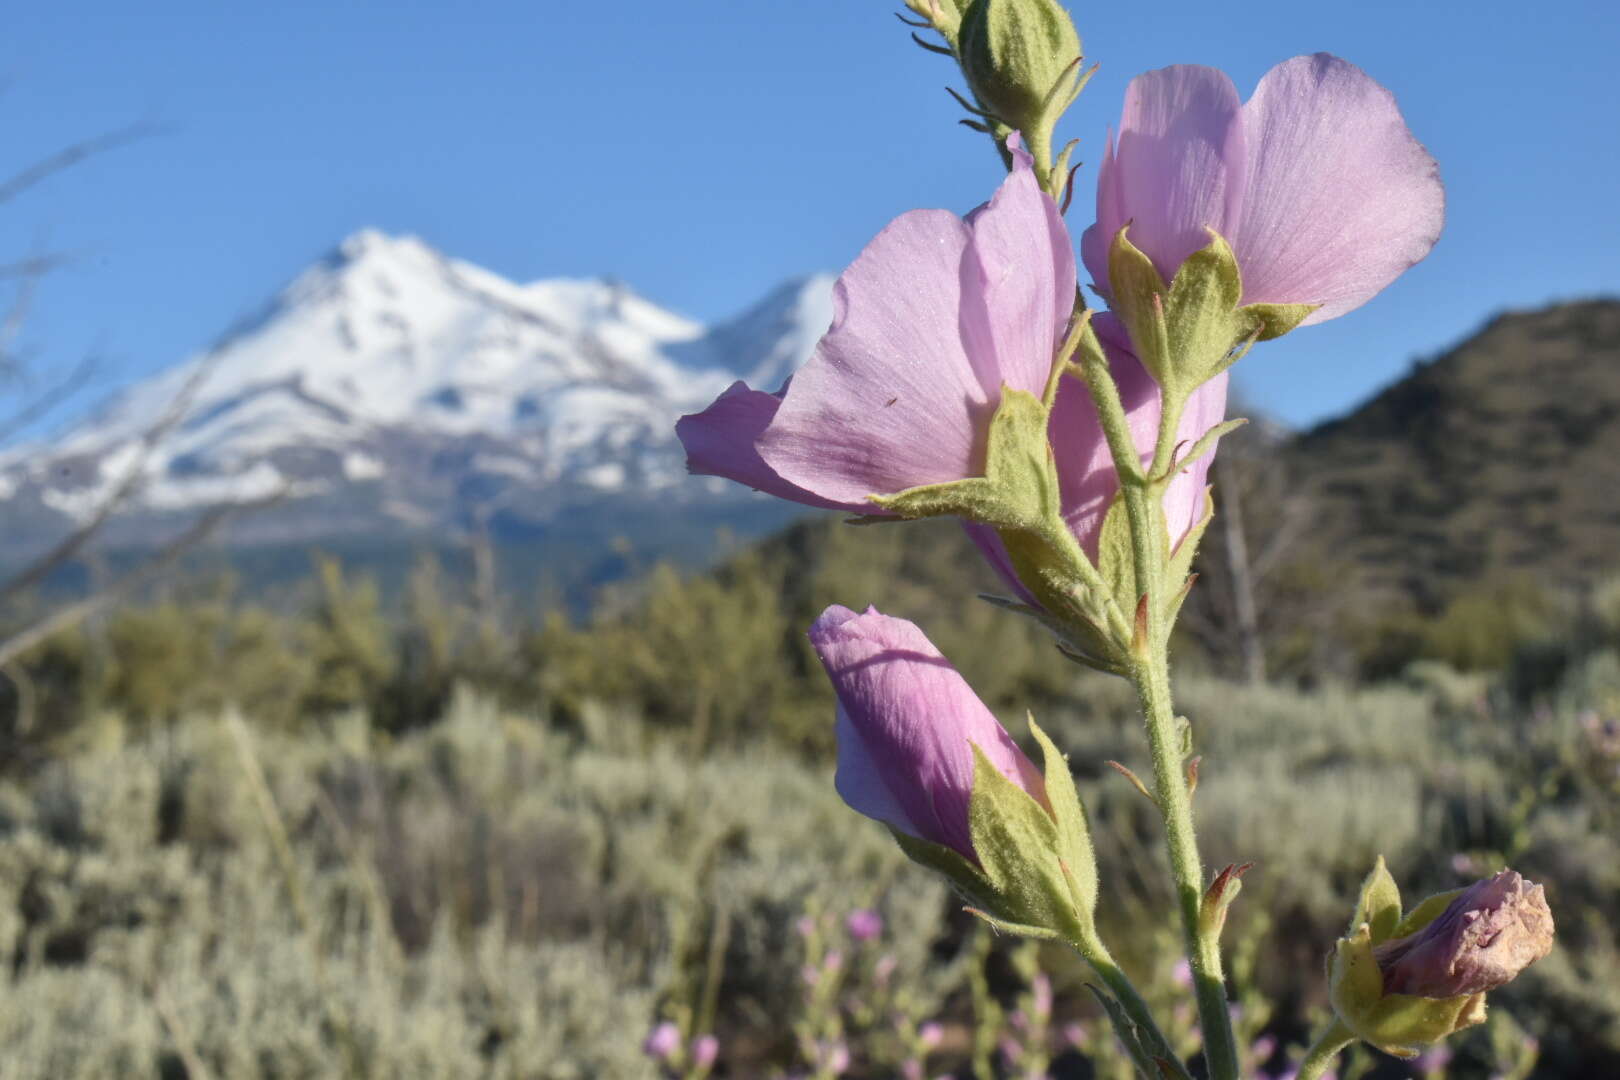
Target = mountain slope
(390,388)
(1500,457)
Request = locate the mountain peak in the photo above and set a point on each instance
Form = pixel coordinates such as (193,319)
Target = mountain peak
(369,242)
(391,373)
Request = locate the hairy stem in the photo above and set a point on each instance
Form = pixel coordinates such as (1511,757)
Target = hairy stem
(1108,970)
(1328,1045)
(1150,673)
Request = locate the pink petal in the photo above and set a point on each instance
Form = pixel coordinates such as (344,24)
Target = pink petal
(988,541)
(1176,167)
(722,441)
(1086,469)
(1340,197)
(889,399)
(907,724)
(929,322)
(1019,284)
(1184,502)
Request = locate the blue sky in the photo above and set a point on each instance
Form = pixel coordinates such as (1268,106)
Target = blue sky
(704,151)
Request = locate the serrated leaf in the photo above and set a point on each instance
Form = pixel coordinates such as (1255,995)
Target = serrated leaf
(1379,905)
(1016,840)
(1073,830)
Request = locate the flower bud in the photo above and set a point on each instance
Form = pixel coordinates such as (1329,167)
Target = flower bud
(1013,54)
(1401,982)
(1484,938)
(705,1048)
(864,924)
(662,1041)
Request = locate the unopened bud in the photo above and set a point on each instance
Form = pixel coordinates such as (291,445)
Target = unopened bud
(1484,938)
(705,1048)
(662,1041)
(1403,982)
(1014,53)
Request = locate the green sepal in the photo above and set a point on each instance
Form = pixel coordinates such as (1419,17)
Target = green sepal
(1079,638)
(1116,558)
(1016,56)
(1270,321)
(1425,913)
(1019,488)
(1139,294)
(1016,841)
(1188,331)
(1039,933)
(1074,844)
(960,872)
(1379,905)
(1206,442)
(1179,569)
(1398,1024)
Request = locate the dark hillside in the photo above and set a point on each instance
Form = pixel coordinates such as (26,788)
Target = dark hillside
(1499,458)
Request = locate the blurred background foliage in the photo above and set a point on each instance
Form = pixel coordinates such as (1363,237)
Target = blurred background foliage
(421,836)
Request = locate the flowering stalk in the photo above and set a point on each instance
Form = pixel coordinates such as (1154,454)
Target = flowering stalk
(1150,673)
(1324,1050)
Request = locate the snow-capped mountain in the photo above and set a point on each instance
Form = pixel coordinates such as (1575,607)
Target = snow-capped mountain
(391,383)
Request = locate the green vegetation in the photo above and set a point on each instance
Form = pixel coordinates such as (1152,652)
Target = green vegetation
(489,850)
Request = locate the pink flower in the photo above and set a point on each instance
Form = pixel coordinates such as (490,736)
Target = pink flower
(930,321)
(930,1033)
(662,1041)
(1040,992)
(864,924)
(907,723)
(1317,184)
(705,1048)
(1492,931)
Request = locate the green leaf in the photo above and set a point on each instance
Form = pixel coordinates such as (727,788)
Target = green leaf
(1073,830)
(1379,905)
(1016,840)
(1126,1031)
(1019,488)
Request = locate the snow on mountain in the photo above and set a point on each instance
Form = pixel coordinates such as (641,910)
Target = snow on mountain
(390,367)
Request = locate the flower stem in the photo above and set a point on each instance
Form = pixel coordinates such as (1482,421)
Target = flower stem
(1327,1047)
(1150,673)
(1130,1000)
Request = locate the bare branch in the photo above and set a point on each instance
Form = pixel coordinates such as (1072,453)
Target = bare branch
(42,405)
(69,156)
(72,544)
(66,617)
